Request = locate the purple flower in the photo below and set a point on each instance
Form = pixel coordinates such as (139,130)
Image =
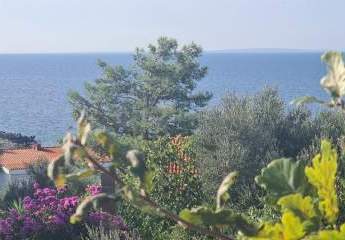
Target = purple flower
(49,210)
(58,220)
(36,185)
(5,227)
(94,189)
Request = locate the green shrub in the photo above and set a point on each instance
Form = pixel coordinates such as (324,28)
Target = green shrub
(38,173)
(245,133)
(174,191)
(239,134)
(100,233)
(17,190)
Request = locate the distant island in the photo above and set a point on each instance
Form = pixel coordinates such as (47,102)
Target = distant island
(14,140)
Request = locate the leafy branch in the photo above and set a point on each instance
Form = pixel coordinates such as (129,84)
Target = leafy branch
(76,148)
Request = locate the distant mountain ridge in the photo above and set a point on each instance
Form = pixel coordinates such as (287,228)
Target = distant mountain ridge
(267,50)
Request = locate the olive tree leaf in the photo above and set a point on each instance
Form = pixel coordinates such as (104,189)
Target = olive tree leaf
(55,171)
(137,161)
(306,100)
(84,128)
(139,169)
(283,177)
(148,181)
(68,148)
(222,193)
(81,174)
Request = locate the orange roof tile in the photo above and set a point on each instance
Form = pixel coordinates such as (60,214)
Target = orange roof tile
(19,159)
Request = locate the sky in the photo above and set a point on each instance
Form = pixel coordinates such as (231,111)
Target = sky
(49,26)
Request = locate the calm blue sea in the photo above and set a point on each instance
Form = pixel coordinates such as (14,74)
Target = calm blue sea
(33,87)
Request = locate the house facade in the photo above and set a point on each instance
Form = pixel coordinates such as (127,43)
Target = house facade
(14,163)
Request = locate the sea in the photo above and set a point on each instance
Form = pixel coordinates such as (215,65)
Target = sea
(34,87)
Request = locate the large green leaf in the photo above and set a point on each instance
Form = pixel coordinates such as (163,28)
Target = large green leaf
(283,177)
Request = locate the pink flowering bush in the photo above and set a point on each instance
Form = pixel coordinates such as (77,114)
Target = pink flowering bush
(47,212)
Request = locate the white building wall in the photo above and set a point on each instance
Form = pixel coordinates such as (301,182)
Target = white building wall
(18,176)
(4,180)
(7,177)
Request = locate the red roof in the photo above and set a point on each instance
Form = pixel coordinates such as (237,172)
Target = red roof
(19,159)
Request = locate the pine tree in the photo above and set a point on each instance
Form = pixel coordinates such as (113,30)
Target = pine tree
(155,96)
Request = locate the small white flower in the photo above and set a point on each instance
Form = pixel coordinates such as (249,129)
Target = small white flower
(334,81)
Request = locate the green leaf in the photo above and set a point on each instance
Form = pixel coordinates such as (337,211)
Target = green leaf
(334,81)
(148,181)
(306,100)
(88,203)
(301,206)
(55,171)
(283,177)
(105,140)
(140,170)
(84,128)
(222,193)
(207,217)
(322,175)
(68,147)
(330,234)
(138,164)
(81,174)
(193,216)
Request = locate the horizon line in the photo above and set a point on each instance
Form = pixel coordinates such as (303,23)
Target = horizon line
(235,50)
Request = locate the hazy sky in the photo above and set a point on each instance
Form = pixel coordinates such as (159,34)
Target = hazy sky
(121,25)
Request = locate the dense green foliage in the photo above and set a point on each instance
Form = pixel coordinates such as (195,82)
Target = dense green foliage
(246,133)
(176,185)
(153,97)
